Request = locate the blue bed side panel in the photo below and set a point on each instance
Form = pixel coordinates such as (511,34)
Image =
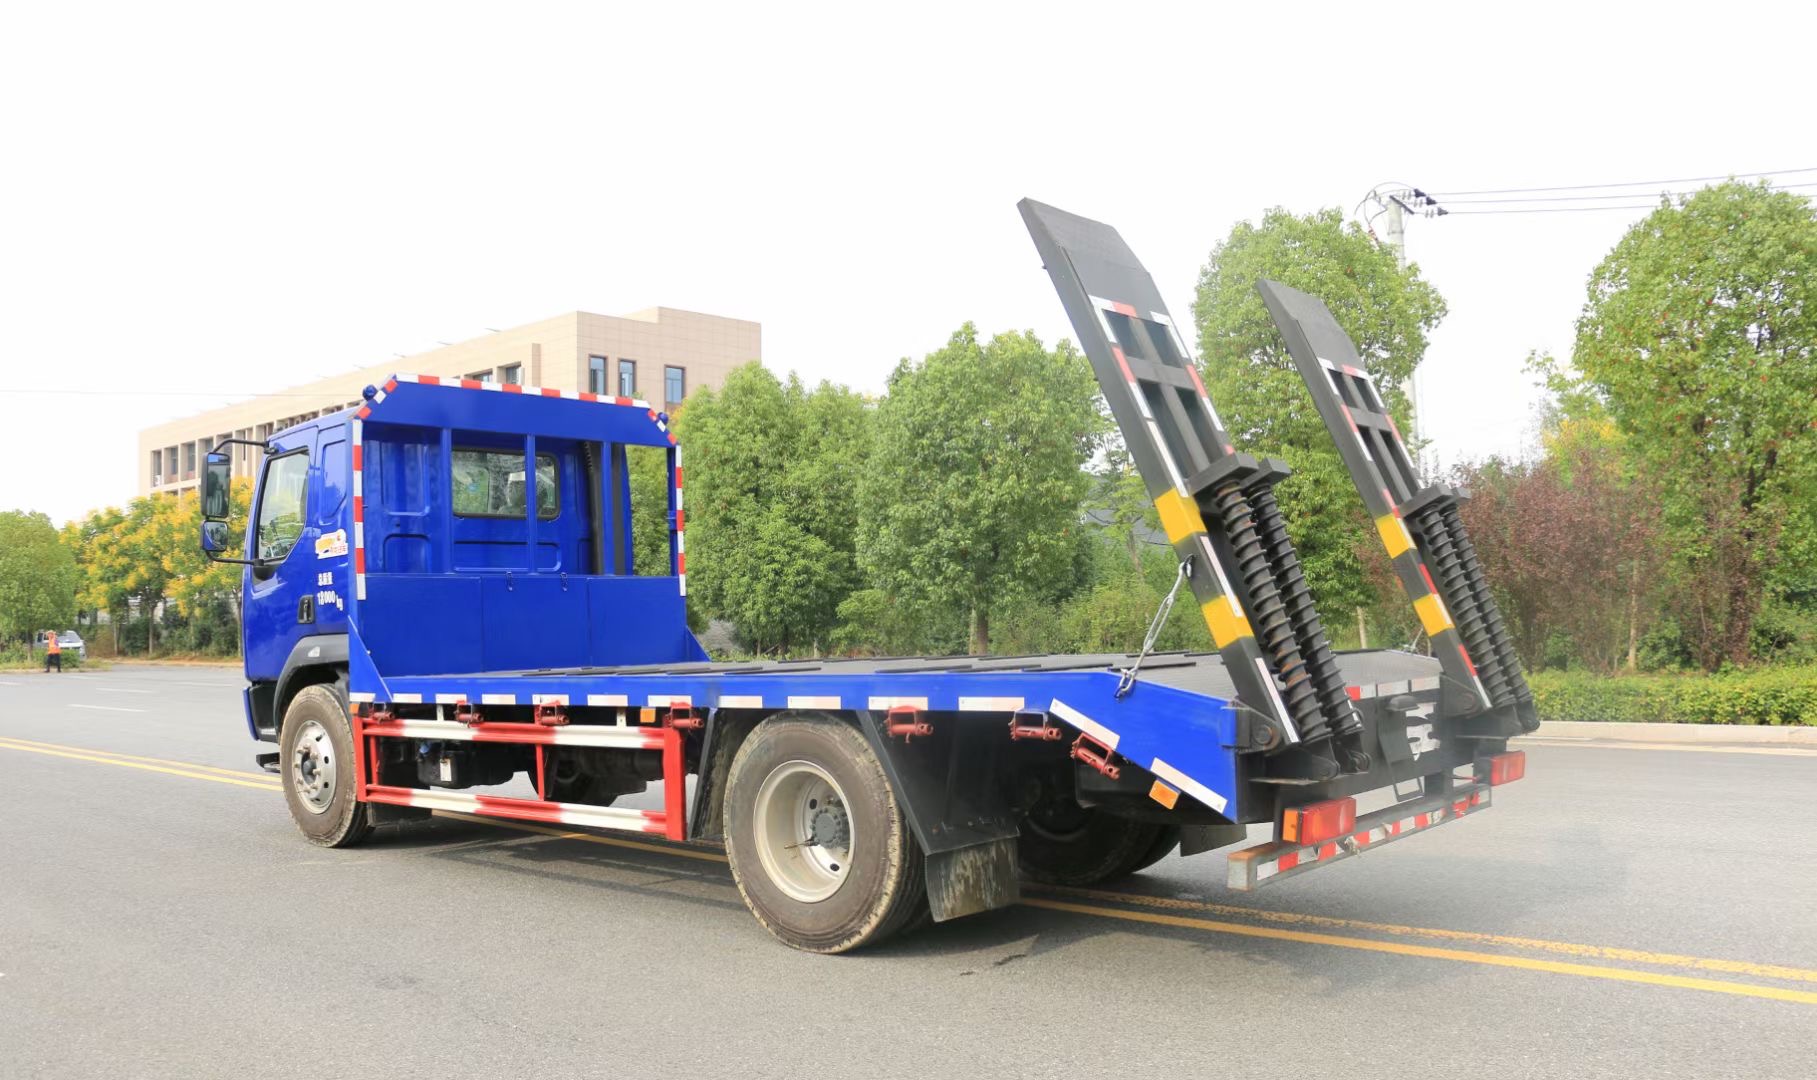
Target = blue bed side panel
(1174,733)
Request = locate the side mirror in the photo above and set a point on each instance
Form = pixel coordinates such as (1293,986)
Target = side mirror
(217,483)
(217,480)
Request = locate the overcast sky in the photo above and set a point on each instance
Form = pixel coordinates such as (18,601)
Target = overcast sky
(207,202)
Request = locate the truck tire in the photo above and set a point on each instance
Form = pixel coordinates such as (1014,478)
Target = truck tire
(1081,845)
(818,845)
(315,758)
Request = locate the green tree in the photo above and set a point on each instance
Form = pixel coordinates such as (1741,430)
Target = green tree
(1700,335)
(38,576)
(976,475)
(770,472)
(1387,310)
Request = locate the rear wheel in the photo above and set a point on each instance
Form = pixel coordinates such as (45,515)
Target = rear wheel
(315,758)
(1064,843)
(818,846)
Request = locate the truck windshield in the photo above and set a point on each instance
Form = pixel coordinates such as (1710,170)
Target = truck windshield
(281,505)
(490,483)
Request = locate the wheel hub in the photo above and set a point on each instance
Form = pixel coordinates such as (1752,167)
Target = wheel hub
(312,771)
(803,831)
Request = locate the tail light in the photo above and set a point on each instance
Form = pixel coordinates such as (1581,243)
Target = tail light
(1319,821)
(1507,768)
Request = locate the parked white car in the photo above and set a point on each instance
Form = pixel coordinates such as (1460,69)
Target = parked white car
(70,640)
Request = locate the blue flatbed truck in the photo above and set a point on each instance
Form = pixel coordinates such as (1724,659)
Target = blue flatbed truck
(440,595)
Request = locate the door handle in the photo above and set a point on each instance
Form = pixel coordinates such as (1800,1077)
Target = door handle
(306,610)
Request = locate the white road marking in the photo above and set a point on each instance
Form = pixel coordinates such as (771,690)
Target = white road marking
(105,708)
(4,682)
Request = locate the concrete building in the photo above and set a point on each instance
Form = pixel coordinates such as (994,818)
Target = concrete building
(659,355)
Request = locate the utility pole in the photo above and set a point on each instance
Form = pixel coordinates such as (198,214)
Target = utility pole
(1393,202)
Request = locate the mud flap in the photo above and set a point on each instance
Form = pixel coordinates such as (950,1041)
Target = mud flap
(947,785)
(968,880)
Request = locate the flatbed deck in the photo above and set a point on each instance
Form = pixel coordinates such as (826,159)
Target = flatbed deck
(1196,672)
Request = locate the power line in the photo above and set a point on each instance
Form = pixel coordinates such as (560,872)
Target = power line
(1631,183)
(1594,198)
(1562,209)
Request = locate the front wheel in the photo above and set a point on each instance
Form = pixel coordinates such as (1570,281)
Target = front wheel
(315,758)
(818,845)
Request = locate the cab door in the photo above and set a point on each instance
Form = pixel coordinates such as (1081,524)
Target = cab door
(280,586)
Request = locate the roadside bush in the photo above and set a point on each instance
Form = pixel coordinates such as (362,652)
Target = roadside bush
(1777,695)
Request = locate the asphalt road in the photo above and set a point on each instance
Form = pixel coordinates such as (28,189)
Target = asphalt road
(1619,913)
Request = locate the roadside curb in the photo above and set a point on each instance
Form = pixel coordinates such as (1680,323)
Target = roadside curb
(1708,734)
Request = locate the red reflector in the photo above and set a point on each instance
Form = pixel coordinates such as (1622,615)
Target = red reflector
(1507,768)
(1318,822)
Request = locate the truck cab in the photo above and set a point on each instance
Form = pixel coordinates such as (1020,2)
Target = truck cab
(528,566)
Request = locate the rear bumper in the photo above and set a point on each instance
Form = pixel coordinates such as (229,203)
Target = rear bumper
(1277,860)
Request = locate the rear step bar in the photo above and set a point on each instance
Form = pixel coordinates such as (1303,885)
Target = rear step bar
(1277,860)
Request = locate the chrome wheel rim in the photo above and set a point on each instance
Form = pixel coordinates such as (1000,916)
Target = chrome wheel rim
(803,831)
(312,767)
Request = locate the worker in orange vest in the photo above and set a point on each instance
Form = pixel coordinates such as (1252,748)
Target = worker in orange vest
(53,652)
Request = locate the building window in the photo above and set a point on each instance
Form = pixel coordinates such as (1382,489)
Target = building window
(511,375)
(596,375)
(157,470)
(189,461)
(627,378)
(674,386)
(479,376)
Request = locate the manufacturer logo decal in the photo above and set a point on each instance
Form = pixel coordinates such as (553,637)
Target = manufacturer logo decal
(331,545)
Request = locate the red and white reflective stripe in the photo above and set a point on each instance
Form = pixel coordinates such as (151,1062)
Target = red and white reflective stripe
(1357,434)
(609,736)
(359,506)
(681,523)
(514,388)
(1389,689)
(554,813)
(1264,862)
(991,704)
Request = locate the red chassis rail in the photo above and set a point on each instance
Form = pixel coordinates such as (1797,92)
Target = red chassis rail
(670,821)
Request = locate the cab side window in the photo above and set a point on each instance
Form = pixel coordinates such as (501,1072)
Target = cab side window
(282,499)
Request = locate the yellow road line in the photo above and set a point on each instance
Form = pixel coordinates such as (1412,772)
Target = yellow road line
(1525,963)
(263,785)
(1592,952)
(33,743)
(1154,918)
